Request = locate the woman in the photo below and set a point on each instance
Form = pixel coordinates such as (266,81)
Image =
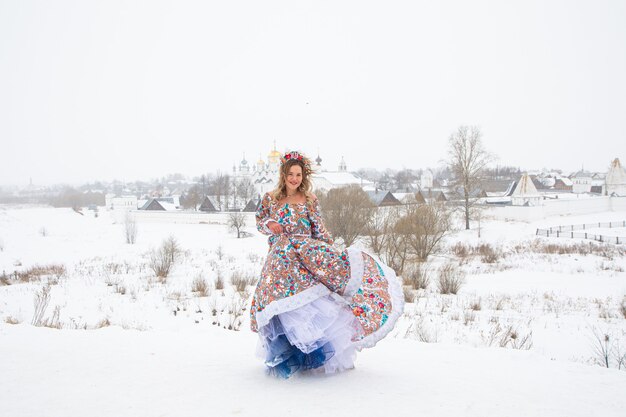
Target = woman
(314,305)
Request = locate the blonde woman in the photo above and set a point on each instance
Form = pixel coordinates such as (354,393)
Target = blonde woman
(315,306)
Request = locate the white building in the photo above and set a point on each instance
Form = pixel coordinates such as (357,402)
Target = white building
(125,202)
(615,182)
(426,179)
(525,194)
(581,182)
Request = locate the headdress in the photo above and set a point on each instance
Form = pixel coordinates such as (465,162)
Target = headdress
(299,157)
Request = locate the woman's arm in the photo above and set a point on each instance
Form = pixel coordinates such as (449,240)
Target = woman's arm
(263,215)
(318,230)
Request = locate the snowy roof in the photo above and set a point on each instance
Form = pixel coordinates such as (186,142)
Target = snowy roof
(617,174)
(525,187)
(340,178)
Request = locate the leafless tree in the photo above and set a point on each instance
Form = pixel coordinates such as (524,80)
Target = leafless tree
(221,188)
(236,221)
(193,197)
(245,190)
(468,159)
(347,212)
(377,230)
(424,227)
(395,245)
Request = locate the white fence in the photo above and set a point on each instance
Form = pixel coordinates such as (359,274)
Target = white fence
(569,231)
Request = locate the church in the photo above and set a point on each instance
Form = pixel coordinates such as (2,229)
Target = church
(264,174)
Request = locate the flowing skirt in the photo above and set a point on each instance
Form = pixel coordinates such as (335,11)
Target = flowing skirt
(315,307)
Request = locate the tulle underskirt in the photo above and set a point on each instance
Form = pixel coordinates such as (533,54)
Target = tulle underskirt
(317,337)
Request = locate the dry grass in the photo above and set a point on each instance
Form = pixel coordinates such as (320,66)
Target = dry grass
(488,253)
(35,273)
(239,281)
(450,279)
(219,280)
(200,286)
(11,320)
(417,276)
(409,296)
(41,301)
(102,323)
(622,309)
(603,250)
(120,289)
(476,305)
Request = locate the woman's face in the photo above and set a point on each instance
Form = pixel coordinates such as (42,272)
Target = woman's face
(294,178)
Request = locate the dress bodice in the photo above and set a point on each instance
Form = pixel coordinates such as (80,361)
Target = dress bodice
(295,218)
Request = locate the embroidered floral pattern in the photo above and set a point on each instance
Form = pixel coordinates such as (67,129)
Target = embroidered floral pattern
(372,302)
(303,257)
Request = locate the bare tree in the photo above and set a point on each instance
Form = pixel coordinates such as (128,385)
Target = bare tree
(377,230)
(236,221)
(468,159)
(221,189)
(245,190)
(347,212)
(424,226)
(396,250)
(193,197)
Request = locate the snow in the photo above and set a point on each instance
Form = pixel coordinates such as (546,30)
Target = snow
(113,372)
(165,350)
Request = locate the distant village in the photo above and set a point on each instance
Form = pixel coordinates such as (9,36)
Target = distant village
(242,188)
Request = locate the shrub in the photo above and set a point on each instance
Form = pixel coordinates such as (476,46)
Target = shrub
(200,286)
(239,281)
(450,279)
(163,259)
(219,280)
(130,229)
(417,276)
(460,250)
(41,301)
(488,253)
(407,291)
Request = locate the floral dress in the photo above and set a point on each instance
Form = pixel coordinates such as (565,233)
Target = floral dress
(314,305)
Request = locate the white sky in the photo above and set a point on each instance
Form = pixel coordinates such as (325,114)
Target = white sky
(133,90)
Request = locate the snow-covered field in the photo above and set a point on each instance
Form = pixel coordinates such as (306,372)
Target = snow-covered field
(520,338)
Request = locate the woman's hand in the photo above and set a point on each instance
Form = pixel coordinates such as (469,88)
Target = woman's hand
(275,227)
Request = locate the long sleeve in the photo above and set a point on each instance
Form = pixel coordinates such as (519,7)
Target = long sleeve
(263,215)
(318,230)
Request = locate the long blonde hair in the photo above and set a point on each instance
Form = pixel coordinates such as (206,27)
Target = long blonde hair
(305,186)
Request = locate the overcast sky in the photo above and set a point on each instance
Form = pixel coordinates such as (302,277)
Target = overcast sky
(133,90)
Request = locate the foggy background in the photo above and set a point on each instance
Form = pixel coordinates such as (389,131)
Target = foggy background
(133,90)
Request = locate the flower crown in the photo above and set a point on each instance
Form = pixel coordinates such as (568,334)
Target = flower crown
(298,157)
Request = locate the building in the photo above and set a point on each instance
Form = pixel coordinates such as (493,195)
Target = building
(615,181)
(525,193)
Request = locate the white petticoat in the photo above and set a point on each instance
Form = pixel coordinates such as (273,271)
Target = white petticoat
(324,330)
